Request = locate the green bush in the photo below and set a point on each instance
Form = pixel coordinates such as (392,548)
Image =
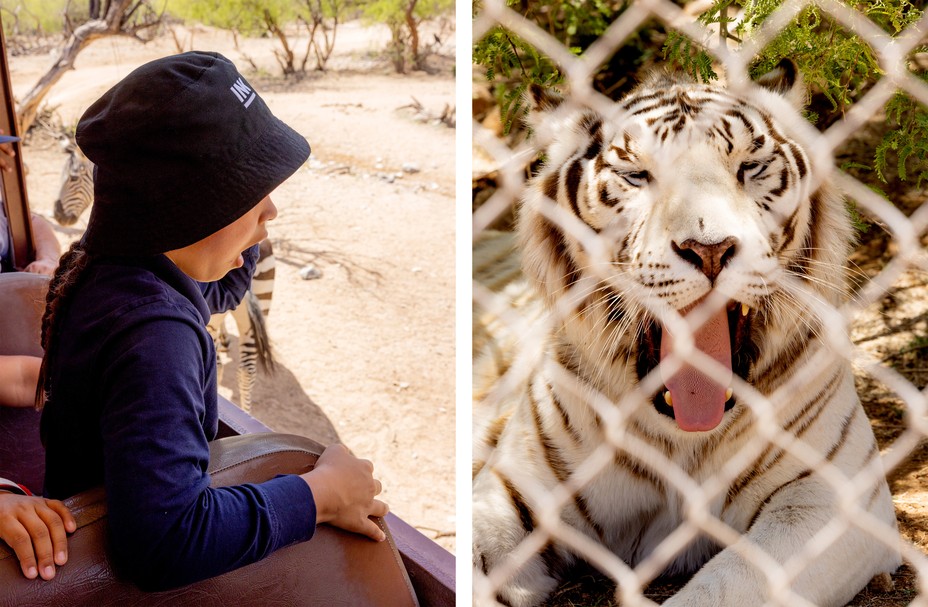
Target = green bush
(403,18)
(273,18)
(245,16)
(32,17)
(838,66)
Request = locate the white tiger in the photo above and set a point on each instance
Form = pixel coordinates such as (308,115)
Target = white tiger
(709,211)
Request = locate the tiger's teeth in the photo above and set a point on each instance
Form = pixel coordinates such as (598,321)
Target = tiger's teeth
(745,309)
(667,398)
(728,394)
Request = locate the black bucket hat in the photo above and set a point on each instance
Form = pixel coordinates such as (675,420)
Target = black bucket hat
(183,146)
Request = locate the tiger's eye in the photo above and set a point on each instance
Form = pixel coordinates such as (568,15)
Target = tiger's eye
(750,168)
(637,179)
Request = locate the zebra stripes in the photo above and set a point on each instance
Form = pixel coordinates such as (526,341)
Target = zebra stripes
(254,348)
(76,192)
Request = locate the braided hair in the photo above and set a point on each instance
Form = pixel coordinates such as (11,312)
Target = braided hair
(61,288)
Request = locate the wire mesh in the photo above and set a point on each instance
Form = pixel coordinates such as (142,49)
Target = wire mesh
(513,331)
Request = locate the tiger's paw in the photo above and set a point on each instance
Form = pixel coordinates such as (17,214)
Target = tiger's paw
(530,586)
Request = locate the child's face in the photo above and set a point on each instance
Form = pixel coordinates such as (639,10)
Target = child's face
(211,258)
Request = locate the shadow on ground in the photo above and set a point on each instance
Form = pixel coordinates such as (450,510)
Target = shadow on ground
(279,396)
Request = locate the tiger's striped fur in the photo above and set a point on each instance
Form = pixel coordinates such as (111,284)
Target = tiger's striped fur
(699,203)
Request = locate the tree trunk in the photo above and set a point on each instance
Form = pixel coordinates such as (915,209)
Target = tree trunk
(285,59)
(82,36)
(413,33)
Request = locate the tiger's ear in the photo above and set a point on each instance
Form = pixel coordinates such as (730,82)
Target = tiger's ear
(542,106)
(786,81)
(542,100)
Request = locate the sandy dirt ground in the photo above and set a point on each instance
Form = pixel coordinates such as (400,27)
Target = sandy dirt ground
(366,352)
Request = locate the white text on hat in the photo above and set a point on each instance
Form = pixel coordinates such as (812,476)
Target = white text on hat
(242,91)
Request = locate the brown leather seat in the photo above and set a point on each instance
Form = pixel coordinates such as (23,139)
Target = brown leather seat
(334,568)
(22,302)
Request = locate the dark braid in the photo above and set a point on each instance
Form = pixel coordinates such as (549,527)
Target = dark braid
(68,274)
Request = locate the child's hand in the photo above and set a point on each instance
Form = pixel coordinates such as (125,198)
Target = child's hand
(36,529)
(344,488)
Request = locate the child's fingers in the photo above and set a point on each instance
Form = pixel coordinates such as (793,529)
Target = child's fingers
(70,525)
(372,530)
(16,536)
(57,532)
(379,508)
(41,543)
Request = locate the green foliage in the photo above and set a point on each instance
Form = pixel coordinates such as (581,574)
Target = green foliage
(681,51)
(32,16)
(834,63)
(391,11)
(858,221)
(278,19)
(403,17)
(245,16)
(838,67)
(908,138)
(513,65)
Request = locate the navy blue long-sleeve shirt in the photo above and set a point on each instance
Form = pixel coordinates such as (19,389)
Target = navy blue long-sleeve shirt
(132,406)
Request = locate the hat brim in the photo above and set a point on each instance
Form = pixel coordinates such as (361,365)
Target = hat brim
(225,193)
(266,164)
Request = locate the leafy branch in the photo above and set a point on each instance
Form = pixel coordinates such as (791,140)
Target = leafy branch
(837,65)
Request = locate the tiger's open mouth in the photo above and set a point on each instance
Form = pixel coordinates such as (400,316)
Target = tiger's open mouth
(699,401)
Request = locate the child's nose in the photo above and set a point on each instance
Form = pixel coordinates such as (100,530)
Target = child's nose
(270,211)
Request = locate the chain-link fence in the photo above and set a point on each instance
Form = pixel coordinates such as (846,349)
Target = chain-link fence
(555,520)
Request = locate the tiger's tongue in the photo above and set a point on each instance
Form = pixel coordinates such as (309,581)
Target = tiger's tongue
(699,402)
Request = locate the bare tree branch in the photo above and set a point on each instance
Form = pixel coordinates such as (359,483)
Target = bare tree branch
(115,22)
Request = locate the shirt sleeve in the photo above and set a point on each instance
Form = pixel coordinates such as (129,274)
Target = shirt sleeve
(11,487)
(226,293)
(167,527)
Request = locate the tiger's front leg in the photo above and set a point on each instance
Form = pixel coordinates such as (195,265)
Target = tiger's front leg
(786,523)
(502,519)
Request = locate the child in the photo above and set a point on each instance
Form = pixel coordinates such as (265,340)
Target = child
(187,154)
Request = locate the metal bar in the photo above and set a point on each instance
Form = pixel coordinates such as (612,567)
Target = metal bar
(15,201)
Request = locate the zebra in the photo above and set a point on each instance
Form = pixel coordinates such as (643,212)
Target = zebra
(76,192)
(76,195)
(250,316)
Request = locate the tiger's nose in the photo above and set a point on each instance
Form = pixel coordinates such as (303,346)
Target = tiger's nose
(709,258)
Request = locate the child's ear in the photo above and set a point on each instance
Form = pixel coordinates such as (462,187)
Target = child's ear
(786,81)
